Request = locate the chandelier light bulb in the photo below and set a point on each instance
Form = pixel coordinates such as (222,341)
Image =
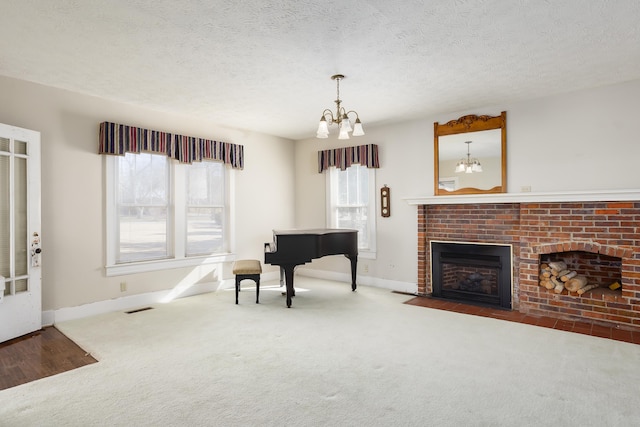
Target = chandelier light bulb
(357,128)
(323,128)
(345,123)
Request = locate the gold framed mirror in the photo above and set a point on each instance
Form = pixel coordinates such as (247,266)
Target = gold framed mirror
(470,155)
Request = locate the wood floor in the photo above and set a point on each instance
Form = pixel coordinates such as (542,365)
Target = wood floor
(609,332)
(37,355)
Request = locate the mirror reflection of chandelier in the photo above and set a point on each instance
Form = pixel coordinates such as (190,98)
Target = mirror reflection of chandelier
(468,165)
(340,118)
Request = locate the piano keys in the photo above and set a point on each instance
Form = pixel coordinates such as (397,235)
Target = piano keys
(291,248)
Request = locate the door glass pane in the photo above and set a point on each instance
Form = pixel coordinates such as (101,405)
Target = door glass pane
(21,286)
(7,288)
(20,201)
(5,232)
(4,144)
(19,147)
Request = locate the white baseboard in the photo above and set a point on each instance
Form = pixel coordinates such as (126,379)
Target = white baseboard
(51,317)
(394,285)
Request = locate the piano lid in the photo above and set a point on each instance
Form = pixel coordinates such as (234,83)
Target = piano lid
(314,231)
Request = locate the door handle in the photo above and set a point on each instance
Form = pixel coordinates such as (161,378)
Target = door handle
(35,250)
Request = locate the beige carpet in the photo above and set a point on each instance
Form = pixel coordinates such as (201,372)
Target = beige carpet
(336,358)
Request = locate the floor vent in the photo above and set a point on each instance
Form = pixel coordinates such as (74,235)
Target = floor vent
(139,310)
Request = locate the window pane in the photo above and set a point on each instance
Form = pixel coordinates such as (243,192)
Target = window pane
(143,179)
(143,206)
(363,181)
(355,218)
(343,186)
(143,233)
(205,208)
(204,231)
(206,184)
(353,186)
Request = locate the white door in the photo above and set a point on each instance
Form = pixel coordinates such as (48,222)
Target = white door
(20,287)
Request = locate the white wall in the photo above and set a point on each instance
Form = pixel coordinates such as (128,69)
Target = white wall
(586,140)
(73,197)
(579,141)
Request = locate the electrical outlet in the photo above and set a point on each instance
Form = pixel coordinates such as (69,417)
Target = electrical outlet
(123,286)
(525,189)
(365,268)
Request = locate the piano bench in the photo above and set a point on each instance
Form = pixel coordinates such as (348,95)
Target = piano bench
(247,269)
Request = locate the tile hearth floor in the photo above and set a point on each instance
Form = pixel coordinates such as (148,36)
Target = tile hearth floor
(609,332)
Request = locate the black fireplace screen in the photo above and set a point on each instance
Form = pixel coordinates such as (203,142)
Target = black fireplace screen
(472,273)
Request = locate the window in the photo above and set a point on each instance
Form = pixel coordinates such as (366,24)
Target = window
(163,214)
(448,183)
(351,204)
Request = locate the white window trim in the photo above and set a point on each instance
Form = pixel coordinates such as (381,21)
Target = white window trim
(331,186)
(175,261)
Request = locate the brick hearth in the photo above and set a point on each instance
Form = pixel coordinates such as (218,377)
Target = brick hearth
(606,229)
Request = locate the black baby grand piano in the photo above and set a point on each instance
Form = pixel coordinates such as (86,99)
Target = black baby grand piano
(291,248)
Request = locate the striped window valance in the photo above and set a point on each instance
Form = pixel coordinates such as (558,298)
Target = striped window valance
(120,139)
(366,155)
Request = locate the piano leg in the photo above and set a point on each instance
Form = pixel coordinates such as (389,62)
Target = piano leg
(288,272)
(354,267)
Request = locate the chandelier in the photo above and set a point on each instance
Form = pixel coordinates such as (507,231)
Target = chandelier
(341,118)
(468,165)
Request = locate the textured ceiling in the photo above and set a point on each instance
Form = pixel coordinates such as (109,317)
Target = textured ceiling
(265,65)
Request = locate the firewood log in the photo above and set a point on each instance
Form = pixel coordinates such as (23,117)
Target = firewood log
(547,284)
(575,283)
(563,272)
(544,266)
(568,276)
(584,289)
(545,273)
(558,285)
(558,265)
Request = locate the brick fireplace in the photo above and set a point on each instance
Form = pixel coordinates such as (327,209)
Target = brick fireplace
(601,237)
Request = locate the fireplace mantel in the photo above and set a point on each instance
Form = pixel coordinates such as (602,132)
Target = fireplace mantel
(571,196)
